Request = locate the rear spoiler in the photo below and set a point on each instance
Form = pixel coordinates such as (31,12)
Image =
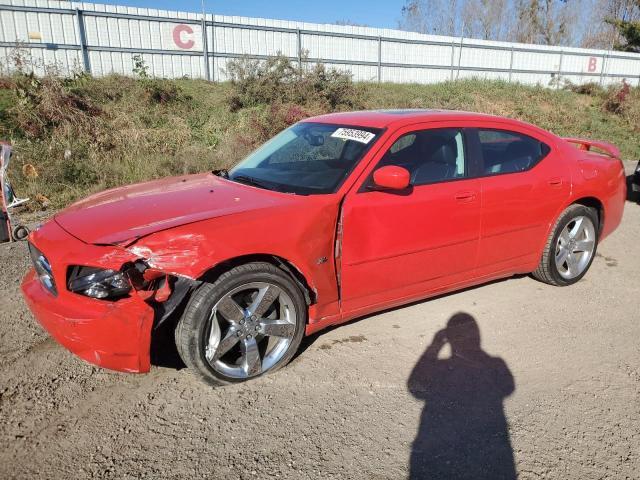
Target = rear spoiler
(584,144)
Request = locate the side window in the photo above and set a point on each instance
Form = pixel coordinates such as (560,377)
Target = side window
(509,152)
(430,156)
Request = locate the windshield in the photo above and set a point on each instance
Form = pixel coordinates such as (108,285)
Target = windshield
(307,158)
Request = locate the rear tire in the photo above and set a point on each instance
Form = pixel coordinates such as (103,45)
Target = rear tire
(570,248)
(249,322)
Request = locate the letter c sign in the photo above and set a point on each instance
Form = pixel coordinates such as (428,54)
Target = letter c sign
(183,41)
(593,63)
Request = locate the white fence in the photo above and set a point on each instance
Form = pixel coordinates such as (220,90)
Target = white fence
(102,39)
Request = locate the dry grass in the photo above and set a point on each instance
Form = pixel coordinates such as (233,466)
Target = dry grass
(83,134)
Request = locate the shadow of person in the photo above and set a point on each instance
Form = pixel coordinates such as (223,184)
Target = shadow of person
(463,431)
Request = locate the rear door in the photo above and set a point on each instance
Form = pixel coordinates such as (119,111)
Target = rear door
(523,182)
(403,244)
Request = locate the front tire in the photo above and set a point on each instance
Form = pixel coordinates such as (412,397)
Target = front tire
(570,248)
(249,322)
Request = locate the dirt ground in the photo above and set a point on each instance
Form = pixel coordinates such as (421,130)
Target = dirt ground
(556,395)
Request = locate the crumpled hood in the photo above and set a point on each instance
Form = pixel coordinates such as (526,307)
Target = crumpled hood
(122,215)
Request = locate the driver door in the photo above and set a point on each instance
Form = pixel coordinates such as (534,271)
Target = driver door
(402,245)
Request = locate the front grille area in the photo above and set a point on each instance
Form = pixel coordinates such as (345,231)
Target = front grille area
(43,269)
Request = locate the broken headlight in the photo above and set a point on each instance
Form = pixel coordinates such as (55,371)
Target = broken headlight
(97,282)
(43,269)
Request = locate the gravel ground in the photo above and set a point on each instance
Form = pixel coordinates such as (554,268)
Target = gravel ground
(554,393)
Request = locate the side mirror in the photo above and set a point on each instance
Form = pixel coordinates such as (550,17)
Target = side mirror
(391,177)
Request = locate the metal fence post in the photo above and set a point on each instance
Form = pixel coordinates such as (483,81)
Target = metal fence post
(453,57)
(205,50)
(460,54)
(213,47)
(559,70)
(299,41)
(511,64)
(604,64)
(379,59)
(82,36)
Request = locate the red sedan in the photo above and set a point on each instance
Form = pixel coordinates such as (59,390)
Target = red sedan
(338,216)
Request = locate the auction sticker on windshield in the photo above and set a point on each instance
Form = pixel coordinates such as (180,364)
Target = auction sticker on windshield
(361,136)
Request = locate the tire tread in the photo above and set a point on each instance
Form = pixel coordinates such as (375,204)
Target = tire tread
(544,272)
(185,339)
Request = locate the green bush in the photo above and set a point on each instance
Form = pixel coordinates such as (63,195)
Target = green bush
(278,80)
(47,104)
(589,88)
(617,98)
(155,90)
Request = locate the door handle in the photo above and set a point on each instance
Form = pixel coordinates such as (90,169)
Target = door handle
(555,181)
(465,196)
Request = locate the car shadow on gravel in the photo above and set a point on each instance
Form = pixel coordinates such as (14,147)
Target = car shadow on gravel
(163,349)
(463,432)
(311,339)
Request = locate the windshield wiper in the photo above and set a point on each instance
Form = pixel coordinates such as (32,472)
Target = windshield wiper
(223,172)
(251,181)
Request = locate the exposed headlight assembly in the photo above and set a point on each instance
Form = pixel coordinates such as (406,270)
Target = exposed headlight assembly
(43,269)
(97,282)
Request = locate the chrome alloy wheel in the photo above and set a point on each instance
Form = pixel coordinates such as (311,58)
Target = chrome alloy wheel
(250,330)
(575,247)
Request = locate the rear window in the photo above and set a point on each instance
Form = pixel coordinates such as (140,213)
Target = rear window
(509,152)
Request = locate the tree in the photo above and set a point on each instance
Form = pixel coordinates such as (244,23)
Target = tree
(544,21)
(630,31)
(627,23)
(601,24)
(436,17)
(539,21)
(601,19)
(486,19)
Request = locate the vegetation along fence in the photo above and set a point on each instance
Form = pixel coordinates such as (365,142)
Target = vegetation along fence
(102,39)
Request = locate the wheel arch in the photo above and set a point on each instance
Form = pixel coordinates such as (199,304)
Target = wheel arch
(287,266)
(597,205)
(587,201)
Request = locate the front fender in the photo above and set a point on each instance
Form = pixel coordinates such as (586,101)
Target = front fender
(303,237)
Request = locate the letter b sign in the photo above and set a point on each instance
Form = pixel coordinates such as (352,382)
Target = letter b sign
(593,64)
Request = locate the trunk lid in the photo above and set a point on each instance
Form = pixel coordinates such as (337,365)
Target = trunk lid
(599,146)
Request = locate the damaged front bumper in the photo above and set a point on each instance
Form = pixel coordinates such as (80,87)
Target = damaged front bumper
(114,334)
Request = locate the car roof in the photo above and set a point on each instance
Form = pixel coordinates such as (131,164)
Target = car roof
(387,118)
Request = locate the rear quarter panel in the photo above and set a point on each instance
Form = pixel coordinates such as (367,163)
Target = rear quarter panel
(601,177)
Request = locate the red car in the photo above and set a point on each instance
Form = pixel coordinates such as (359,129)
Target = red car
(336,217)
